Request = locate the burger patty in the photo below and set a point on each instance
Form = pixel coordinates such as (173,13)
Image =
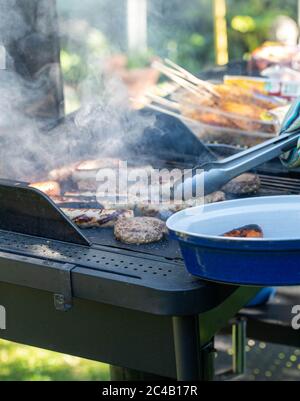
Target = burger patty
(140,230)
(245,184)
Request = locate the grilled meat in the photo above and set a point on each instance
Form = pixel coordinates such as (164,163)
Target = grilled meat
(89,218)
(249,231)
(235,108)
(165,209)
(140,230)
(218,196)
(162,209)
(245,184)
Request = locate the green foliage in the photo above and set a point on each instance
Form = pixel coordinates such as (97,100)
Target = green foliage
(180,30)
(259,15)
(81,45)
(184,31)
(72,65)
(23,363)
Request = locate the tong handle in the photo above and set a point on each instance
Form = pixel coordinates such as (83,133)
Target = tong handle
(217,174)
(265,151)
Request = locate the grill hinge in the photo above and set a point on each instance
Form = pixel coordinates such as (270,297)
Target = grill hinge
(63,300)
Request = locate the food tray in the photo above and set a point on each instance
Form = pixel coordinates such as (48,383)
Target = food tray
(228,136)
(271,261)
(211,124)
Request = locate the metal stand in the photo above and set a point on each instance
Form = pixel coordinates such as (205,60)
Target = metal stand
(207,365)
(193,362)
(186,342)
(239,329)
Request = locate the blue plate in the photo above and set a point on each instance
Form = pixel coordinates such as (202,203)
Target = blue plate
(271,261)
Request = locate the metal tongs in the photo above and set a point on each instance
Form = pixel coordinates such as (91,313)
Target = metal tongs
(217,174)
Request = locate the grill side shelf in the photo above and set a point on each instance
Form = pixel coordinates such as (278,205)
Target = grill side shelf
(67,281)
(41,275)
(127,281)
(28,211)
(145,271)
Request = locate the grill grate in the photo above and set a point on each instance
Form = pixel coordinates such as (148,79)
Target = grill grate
(281,184)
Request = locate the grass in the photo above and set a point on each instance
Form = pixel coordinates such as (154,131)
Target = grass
(23,363)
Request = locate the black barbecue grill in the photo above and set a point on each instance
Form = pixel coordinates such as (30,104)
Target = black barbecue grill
(126,305)
(134,307)
(84,293)
(121,304)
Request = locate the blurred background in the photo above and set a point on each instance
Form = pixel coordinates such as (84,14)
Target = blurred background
(128,34)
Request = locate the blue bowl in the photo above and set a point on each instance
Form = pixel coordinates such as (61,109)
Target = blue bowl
(268,262)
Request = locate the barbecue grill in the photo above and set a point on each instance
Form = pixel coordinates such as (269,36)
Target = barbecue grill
(133,307)
(84,293)
(119,303)
(126,305)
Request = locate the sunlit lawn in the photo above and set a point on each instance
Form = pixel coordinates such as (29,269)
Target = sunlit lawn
(18,362)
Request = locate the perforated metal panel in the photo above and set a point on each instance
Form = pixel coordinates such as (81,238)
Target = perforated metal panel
(151,272)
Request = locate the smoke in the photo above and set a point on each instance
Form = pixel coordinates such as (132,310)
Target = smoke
(30,101)
(20,142)
(13,24)
(104,126)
